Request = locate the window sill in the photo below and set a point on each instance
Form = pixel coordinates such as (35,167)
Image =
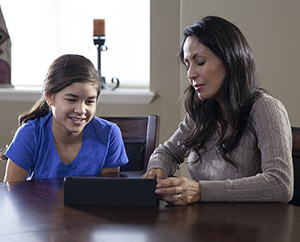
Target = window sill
(118,96)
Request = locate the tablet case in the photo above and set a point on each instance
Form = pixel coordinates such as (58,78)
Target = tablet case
(109,191)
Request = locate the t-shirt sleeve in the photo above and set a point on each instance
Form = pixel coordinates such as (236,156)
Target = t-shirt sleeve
(21,149)
(116,155)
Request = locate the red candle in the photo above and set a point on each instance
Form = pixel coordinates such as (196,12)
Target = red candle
(99,27)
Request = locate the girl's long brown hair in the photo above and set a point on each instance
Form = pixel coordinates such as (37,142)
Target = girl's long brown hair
(64,71)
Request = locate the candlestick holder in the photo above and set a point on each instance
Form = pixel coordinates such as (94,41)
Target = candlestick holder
(99,42)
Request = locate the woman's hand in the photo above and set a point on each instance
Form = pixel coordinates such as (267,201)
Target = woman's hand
(157,174)
(178,191)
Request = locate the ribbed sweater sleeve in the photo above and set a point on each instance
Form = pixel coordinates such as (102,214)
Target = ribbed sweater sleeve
(274,180)
(171,154)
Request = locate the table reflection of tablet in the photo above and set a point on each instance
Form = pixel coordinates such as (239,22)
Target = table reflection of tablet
(110,191)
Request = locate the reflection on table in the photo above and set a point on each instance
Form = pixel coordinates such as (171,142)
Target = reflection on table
(34,211)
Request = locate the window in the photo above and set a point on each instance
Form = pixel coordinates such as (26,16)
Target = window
(40,31)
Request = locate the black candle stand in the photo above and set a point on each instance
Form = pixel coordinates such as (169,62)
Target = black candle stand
(99,42)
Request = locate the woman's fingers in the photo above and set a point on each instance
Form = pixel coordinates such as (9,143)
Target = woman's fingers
(157,174)
(169,182)
(178,191)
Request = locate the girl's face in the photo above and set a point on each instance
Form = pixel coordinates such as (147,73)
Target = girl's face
(205,69)
(73,108)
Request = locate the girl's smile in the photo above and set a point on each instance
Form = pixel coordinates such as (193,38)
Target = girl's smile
(73,108)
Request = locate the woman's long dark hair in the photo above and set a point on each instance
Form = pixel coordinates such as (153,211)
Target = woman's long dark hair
(237,93)
(64,71)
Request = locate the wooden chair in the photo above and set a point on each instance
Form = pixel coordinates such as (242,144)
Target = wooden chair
(140,135)
(296,162)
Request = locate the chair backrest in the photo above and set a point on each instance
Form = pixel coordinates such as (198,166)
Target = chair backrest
(296,162)
(140,136)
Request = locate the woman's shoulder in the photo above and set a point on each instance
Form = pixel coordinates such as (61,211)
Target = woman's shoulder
(268,109)
(267,102)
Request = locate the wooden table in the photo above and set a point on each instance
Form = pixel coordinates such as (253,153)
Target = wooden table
(34,211)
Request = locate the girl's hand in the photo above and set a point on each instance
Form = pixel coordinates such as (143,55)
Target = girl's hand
(178,191)
(157,174)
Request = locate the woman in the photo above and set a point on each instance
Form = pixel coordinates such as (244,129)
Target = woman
(236,136)
(60,136)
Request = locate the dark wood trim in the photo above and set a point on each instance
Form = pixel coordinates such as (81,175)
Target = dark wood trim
(296,165)
(152,140)
(296,141)
(139,129)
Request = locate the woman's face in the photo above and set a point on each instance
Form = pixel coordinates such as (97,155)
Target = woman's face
(205,70)
(73,108)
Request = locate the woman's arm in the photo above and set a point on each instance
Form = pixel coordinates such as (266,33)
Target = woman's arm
(14,172)
(171,154)
(274,182)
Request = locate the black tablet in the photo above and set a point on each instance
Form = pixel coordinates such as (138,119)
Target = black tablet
(110,191)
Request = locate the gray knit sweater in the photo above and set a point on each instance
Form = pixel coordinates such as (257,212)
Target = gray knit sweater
(264,169)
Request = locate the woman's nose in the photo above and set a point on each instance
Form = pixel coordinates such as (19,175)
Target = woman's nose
(192,73)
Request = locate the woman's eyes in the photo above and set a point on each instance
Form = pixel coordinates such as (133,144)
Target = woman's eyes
(199,63)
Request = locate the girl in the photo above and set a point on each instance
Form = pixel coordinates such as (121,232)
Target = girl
(60,136)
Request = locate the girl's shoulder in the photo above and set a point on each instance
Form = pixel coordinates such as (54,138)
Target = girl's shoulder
(33,133)
(102,126)
(101,122)
(36,124)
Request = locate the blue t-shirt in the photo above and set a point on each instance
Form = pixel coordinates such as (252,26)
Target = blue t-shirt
(34,150)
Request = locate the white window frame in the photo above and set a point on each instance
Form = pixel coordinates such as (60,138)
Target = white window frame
(142,95)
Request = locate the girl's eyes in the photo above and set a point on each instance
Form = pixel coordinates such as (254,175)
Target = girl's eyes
(74,100)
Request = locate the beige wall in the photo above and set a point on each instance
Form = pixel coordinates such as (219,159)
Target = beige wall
(271,27)
(272,30)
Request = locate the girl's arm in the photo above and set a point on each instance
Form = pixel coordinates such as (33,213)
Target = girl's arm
(14,172)
(110,170)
